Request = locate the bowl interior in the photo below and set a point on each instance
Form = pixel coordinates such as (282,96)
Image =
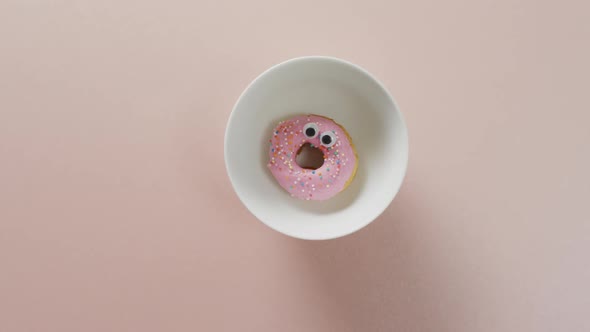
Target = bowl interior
(338,90)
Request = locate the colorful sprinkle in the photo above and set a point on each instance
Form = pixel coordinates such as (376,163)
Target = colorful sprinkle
(287,138)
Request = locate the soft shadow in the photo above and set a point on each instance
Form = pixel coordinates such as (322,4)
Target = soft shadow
(385,277)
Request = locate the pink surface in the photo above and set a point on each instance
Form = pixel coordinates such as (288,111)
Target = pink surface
(319,184)
(116,213)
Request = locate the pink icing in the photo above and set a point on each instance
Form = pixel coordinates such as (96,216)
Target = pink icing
(320,184)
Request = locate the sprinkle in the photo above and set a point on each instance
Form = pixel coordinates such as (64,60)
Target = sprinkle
(312,172)
(302,184)
(328,169)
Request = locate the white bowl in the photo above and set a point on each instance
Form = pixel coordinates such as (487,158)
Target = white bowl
(341,91)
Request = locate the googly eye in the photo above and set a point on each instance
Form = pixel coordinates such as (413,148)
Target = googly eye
(310,130)
(328,139)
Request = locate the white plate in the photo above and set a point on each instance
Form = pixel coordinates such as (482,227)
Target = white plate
(353,98)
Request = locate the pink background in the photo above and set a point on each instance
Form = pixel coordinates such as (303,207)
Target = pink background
(116,213)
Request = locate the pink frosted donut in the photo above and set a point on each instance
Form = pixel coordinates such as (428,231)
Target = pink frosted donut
(339,157)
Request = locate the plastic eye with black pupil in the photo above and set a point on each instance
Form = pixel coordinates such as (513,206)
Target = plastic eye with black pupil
(328,139)
(310,130)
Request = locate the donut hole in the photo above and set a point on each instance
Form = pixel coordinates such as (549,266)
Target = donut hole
(309,157)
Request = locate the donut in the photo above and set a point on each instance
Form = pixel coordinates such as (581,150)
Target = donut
(335,170)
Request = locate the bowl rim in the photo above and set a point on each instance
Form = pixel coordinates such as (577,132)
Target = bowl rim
(389,96)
